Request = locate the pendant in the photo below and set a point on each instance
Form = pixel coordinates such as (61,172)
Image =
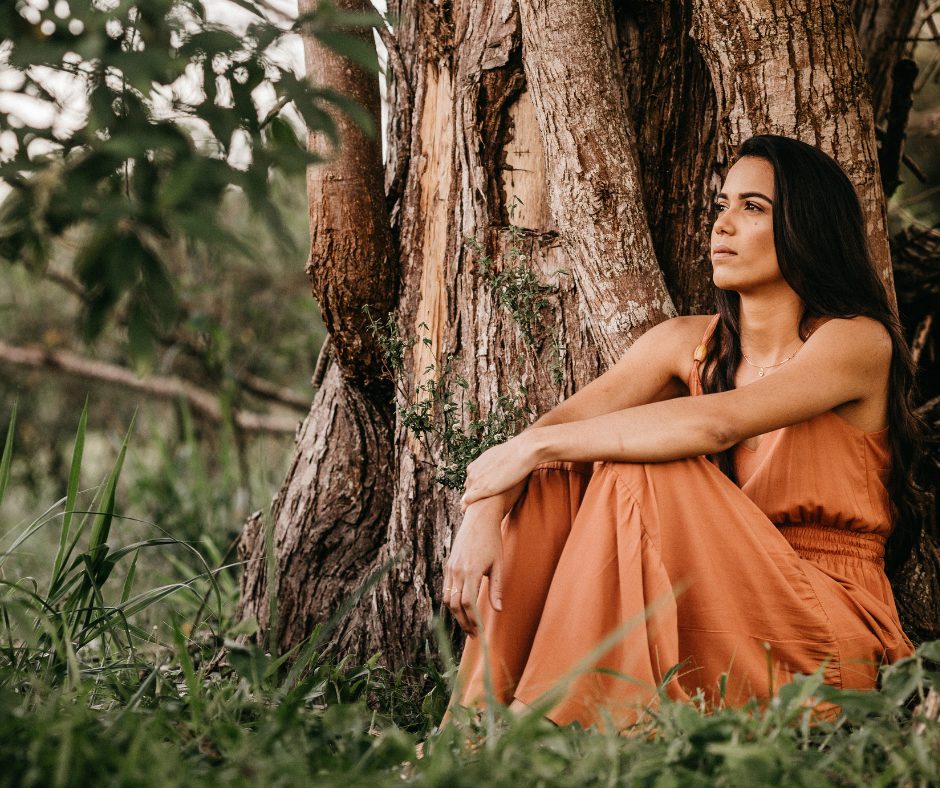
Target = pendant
(761,373)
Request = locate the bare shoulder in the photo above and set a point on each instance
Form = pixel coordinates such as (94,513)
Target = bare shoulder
(858,341)
(681,335)
(685,328)
(860,349)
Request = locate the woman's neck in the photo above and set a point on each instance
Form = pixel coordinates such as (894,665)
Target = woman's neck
(769,326)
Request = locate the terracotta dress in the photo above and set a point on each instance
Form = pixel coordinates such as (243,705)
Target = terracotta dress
(756,582)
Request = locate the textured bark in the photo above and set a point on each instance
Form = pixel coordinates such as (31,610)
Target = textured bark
(614,127)
(795,68)
(475,147)
(674,114)
(329,516)
(592,170)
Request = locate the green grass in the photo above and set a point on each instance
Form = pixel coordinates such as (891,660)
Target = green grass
(90,694)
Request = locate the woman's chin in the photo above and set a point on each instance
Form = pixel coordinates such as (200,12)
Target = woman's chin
(725,282)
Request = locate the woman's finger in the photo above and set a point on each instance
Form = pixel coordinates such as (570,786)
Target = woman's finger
(470,496)
(468,599)
(445,588)
(457,609)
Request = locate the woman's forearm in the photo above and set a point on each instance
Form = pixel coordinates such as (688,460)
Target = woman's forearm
(657,432)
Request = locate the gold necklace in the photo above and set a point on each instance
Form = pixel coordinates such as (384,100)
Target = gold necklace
(761,368)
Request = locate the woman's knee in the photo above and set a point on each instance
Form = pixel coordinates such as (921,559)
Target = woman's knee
(580,467)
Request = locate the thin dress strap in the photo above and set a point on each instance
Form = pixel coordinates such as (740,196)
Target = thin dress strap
(695,381)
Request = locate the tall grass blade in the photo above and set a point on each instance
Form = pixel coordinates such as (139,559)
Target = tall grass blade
(7,454)
(71,492)
(102,525)
(30,529)
(129,579)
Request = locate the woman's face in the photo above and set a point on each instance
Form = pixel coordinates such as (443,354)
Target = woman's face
(744,225)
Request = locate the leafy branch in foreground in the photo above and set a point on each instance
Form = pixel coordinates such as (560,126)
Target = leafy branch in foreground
(435,393)
(170,121)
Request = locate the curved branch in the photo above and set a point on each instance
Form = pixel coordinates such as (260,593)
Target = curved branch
(161,387)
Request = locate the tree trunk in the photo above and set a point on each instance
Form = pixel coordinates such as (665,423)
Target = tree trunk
(613,124)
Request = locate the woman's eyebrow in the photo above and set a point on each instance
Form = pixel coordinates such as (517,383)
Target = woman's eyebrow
(745,195)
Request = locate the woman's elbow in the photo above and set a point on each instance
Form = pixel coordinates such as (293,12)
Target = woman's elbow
(721,435)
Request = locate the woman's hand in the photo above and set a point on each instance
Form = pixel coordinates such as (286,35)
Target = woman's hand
(499,468)
(477,551)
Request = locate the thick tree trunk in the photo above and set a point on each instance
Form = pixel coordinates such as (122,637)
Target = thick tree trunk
(330,516)
(613,126)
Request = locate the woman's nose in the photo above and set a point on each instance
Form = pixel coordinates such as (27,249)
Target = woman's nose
(722,224)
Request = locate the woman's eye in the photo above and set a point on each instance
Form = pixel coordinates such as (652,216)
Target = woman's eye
(718,206)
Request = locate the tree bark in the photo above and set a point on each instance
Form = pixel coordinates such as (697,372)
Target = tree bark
(614,127)
(329,518)
(352,261)
(884,32)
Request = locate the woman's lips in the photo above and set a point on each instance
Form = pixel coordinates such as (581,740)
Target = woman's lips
(721,255)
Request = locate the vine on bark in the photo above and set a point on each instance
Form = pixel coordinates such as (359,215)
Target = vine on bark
(456,448)
(518,290)
(520,293)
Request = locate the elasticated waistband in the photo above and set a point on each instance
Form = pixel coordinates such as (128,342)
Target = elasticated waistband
(812,540)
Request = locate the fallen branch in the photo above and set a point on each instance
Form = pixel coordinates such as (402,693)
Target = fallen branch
(256,385)
(200,400)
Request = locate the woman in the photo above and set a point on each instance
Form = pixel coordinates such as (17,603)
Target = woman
(722,497)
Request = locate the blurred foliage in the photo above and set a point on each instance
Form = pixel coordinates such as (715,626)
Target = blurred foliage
(918,201)
(133,174)
(192,477)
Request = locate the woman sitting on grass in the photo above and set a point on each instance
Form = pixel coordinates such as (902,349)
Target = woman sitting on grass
(723,496)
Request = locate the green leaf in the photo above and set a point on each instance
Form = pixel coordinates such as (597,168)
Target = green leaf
(140,339)
(101,527)
(353,47)
(71,492)
(7,457)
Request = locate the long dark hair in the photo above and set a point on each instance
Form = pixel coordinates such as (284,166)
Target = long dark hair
(819,237)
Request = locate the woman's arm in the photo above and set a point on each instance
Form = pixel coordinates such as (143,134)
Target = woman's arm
(655,367)
(845,360)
